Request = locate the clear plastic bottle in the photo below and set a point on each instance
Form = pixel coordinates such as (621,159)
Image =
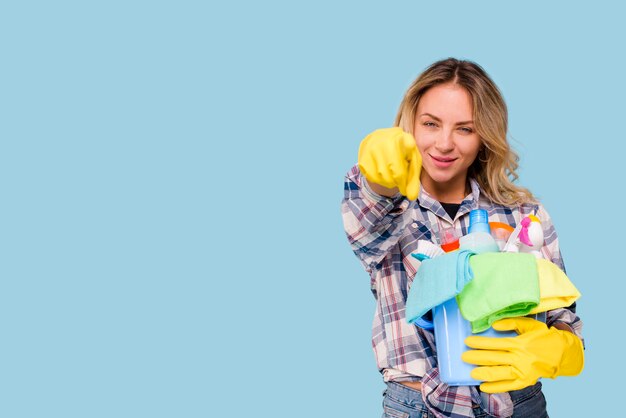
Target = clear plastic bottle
(478,238)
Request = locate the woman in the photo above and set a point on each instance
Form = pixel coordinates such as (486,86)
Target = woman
(446,155)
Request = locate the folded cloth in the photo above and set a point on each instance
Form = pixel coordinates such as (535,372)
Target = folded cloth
(437,280)
(504,285)
(555,289)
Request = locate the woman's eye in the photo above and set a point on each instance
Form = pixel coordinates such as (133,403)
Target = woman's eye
(430,124)
(467,130)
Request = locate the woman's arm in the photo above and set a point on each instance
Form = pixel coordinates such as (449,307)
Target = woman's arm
(373,222)
(562,318)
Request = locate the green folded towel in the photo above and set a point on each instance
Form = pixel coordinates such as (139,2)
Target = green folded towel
(505,285)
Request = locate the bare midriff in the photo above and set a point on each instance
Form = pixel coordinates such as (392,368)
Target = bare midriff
(412,385)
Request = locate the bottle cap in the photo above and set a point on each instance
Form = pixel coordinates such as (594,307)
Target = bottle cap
(479,221)
(450,246)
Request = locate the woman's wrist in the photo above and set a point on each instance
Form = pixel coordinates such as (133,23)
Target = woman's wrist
(382,190)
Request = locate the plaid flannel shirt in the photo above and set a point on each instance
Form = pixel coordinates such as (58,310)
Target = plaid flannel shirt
(383,232)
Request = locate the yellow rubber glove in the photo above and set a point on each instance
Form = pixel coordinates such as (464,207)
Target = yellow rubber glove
(517,362)
(389,157)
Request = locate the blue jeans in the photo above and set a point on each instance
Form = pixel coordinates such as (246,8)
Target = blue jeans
(400,401)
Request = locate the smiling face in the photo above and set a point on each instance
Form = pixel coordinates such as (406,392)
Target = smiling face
(447,139)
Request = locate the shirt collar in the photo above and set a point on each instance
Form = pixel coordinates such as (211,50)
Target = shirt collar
(470,202)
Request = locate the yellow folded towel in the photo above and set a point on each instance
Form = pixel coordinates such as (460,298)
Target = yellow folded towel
(555,288)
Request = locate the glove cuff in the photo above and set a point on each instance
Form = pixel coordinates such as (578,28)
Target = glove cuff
(573,360)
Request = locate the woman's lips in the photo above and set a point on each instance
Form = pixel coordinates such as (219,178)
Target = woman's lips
(442,162)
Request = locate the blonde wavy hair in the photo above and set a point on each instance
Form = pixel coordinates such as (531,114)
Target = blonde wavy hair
(496,163)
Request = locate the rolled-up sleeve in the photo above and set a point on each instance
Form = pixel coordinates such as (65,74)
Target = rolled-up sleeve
(373,223)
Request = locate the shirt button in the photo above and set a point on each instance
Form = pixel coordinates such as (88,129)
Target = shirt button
(414,225)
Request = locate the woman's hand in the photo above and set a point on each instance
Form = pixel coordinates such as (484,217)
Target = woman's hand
(389,158)
(517,362)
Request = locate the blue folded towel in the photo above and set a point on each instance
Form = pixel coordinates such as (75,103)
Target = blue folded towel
(438,280)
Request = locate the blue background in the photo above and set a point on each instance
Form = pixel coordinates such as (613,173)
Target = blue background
(171,174)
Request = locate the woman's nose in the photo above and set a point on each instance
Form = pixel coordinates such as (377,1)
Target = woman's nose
(444,142)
